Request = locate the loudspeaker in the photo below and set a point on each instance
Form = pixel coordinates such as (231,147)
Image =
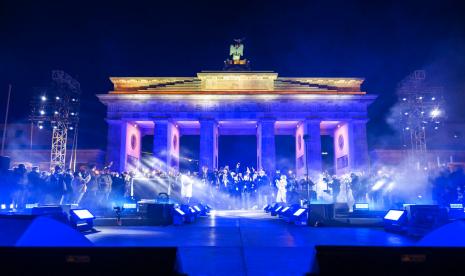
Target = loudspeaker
(30,230)
(424,218)
(160,214)
(320,214)
(371,260)
(89,261)
(4,163)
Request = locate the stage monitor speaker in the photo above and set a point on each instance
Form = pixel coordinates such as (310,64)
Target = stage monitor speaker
(367,260)
(4,163)
(28,230)
(423,218)
(89,261)
(320,214)
(160,214)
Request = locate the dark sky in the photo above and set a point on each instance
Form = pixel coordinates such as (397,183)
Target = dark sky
(382,41)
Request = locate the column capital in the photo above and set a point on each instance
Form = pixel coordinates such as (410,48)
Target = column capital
(266,120)
(313,120)
(113,121)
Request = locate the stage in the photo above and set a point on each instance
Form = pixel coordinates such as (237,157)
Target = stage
(244,242)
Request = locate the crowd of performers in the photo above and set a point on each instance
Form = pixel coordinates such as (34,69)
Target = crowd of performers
(226,188)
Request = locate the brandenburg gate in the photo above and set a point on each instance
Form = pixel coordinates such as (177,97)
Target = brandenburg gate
(215,103)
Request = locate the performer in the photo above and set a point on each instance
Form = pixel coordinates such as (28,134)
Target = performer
(79,185)
(186,187)
(281,185)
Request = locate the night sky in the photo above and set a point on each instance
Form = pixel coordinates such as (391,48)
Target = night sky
(380,41)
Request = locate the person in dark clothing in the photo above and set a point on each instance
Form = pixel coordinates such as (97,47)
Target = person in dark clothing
(57,186)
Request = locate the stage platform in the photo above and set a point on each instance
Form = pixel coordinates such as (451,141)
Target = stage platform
(244,242)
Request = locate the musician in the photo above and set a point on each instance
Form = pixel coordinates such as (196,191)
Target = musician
(186,187)
(281,185)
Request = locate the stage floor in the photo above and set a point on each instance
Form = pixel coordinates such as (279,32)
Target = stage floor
(244,243)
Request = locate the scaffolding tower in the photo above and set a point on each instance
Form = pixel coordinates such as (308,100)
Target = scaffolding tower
(57,106)
(420,111)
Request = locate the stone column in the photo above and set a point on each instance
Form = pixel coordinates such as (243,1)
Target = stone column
(166,145)
(358,159)
(266,149)
(208,144)
(116,144)
(308,147)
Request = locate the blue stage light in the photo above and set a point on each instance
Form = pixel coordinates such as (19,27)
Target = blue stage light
(178,216)
(456,211)
(300,216)
(81,219)
(456,206)
(395,221)
(361,207)
(82,214)
(130,205)
(31,205)
(394,215)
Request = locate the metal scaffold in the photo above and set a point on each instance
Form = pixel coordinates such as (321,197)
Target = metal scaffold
(57,106)
(420,111)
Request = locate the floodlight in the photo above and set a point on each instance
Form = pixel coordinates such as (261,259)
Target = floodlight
(361,207)
(179,211)
(394,215)
(31,205)
(435,113)
(81,219)
(456,206)
(299,212)
(130,205)
(82,214)
(197,208)
(285,209)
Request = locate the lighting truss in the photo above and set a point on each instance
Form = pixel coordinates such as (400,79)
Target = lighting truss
(57,107)
(421,110)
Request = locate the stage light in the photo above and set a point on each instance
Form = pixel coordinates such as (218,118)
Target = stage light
(42,112)
(31,205)
(456,211)
(130,205)
(407,128)
(81,219)
(56,112)
(361,207)
(267,208)
(300,216)
(41,126)
(406,113)
(394,221)
(394,215)
(276,208)
(3,206)
(72,113)
(71,128)
(57,98)
(433,98)
(435,113)
(178,216)
(404,99)
(43,98)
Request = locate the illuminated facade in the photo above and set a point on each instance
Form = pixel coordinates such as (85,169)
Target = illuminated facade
(238,103)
